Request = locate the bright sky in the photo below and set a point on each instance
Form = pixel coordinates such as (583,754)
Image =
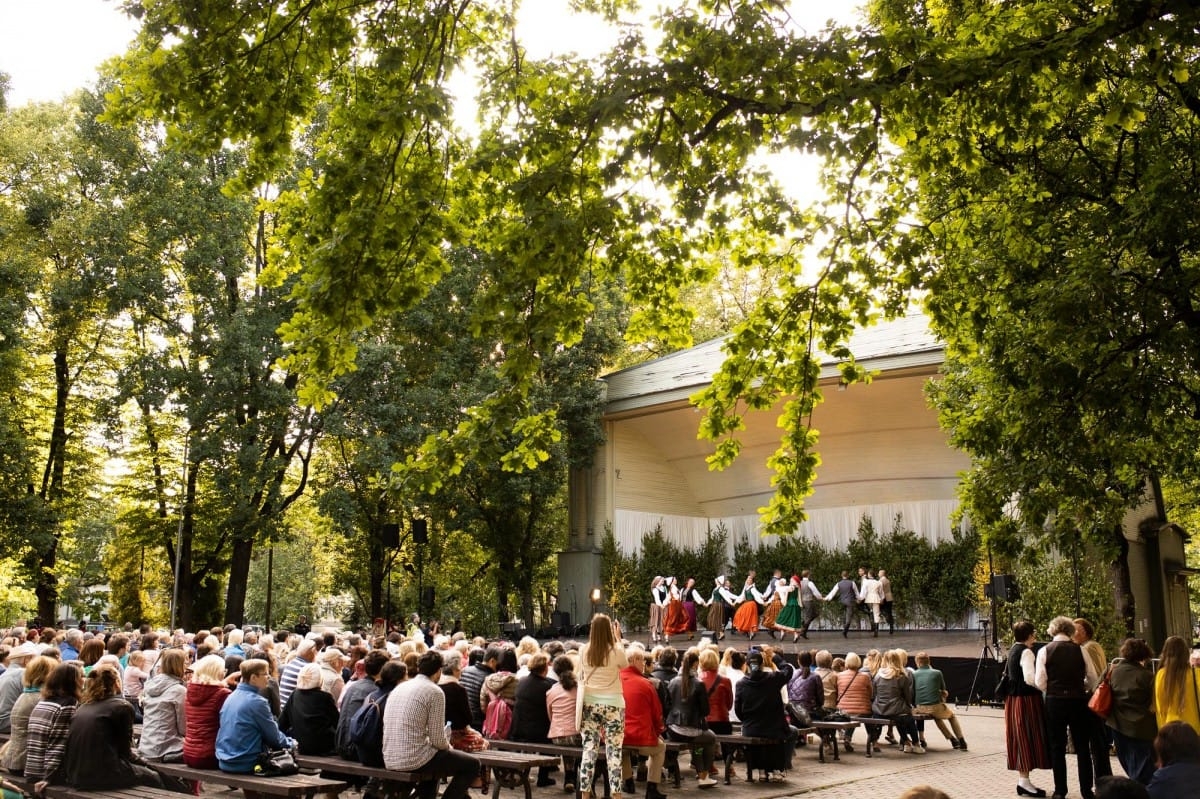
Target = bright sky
(49,48)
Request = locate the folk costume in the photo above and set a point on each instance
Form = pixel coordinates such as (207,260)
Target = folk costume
(791,618)
(675,621)
(745,618)
(658,608)
(692,599)
(720,607)
(774,602)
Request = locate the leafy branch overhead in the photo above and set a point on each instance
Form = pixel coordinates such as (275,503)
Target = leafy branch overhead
(1023,168)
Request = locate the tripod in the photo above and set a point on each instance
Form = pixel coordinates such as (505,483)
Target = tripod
(986,654)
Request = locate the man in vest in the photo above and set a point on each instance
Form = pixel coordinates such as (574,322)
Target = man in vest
(1062,672)
(810,595)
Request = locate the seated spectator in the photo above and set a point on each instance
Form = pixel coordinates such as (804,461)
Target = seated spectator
(12,757)
(370,752)
(134,681)
(414,733)
(894,698)
(164,717)
(353,697)
(50,721)
(644,724)
(929,688)
(1111,787)
(247,727)
(99,753)
(310,715)
(12,681)
(206,693)
(686,718)
(92,651)
(1178,748)
(855,693)
(531,720)
(500,686)
(560,709)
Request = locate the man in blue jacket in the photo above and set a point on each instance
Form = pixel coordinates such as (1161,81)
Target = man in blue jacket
(247,726)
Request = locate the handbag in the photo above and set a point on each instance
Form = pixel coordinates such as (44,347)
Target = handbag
(1102,698)
(685,733)
(798,714)
(276,763)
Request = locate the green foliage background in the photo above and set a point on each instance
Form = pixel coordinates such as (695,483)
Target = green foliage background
(933,584)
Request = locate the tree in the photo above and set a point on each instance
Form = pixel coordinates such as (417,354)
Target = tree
(1022,147)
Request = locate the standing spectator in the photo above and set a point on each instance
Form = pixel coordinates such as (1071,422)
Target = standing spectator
(1063,674)
(247,727)
(12,756)
(1178,748)
(301,627)
(206,694)
(1093,653)
(847,594)
(164,714)
(472,681)
(50,722)
(887,608)
(758,700)
(414,735)
(310,715)
(1024,712)
(560,708)
(99,753)
(601,709)
(1132,716)
(1175,683)
(306,653)
(929,687)
(688,713)
(643,725)
(12,681)
(531,719)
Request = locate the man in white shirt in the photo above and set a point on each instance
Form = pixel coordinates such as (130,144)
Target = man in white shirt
(414,733)
(886,607)
(810,595)
(1063,673)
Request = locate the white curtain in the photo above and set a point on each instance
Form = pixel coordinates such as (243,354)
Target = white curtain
(833,528)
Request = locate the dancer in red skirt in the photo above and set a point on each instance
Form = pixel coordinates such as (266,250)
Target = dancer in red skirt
(745,618)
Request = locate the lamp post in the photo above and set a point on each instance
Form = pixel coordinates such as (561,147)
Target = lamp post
(595,600)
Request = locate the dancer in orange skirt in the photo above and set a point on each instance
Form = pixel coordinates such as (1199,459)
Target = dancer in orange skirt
(774,601)
(676,621)
(745,618)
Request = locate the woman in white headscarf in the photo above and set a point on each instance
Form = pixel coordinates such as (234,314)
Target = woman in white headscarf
(720,606)
(659,595)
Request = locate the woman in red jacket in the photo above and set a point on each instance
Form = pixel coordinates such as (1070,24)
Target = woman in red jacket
(206,693)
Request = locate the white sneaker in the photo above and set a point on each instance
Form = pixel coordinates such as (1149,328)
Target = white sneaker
(707,782)
(905,748)
(917,749)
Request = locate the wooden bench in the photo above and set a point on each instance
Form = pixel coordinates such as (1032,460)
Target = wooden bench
(24,786)
(731,743)
(509,769)
(572,754)
(294,786)
(876,721)
(828,732)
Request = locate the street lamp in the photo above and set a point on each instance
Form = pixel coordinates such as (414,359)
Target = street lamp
(595,599)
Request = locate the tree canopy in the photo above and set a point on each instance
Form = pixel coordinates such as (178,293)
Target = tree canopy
(1024,167)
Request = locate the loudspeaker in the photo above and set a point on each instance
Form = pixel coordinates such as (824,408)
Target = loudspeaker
(427,598)
(389,534)
(561,622)
(1005,587)
(420,530)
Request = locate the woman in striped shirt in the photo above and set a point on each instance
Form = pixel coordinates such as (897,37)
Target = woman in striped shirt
(50,722)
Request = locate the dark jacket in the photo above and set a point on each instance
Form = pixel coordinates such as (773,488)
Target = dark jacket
(472,678)
(1176,781)
(458,709)
(1132,712)
(758,702)
(893,693)
(311,717)
(352,699)
(691,710)
(203,710)
(99,754)
(531,720)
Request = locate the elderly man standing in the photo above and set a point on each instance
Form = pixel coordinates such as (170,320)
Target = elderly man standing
(11,681)
(644,725)
(1063,673)
(414,733)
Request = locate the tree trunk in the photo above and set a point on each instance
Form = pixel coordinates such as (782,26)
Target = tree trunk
(1123,600)
(46,582)
(239,575)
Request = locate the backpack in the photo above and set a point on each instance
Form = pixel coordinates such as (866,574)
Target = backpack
(366,730)
(497,721)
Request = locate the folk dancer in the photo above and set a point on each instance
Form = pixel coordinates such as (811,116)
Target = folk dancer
(720,607)
(692,599)
(791,618)
(658,608)
(675,619)
(745,618)
(810,595)
(773,601)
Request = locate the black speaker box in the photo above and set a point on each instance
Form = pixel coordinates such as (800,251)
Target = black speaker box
(1005,587)
(389,534)
(420,530)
